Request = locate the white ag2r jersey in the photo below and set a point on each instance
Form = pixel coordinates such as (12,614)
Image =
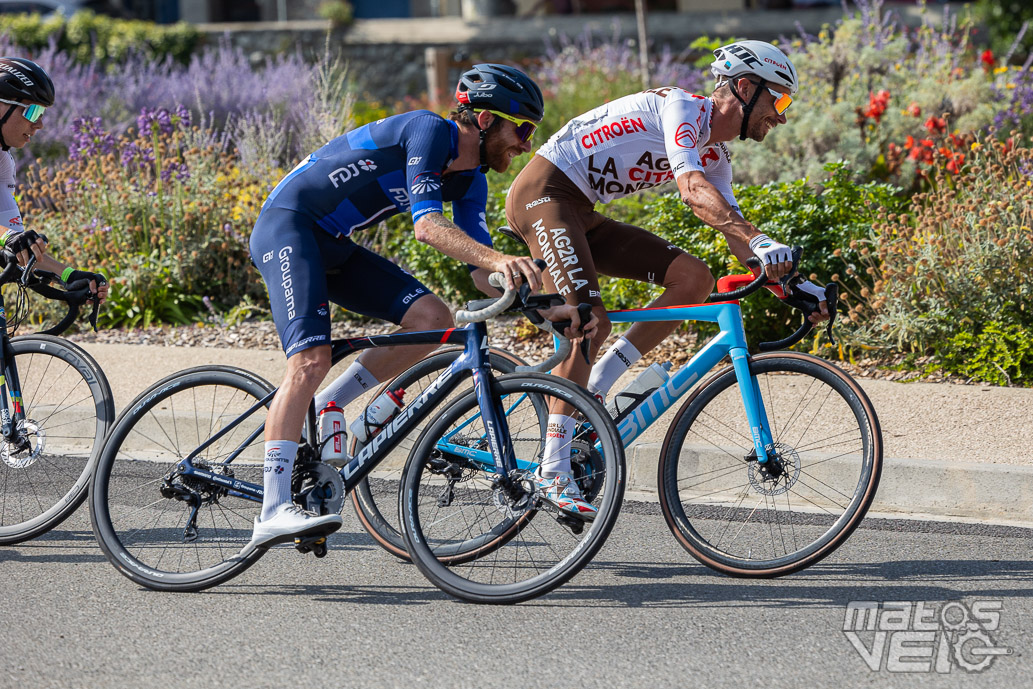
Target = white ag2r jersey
(641,141)
(10,216)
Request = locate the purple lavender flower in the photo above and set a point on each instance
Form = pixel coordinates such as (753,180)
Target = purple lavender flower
(89,139)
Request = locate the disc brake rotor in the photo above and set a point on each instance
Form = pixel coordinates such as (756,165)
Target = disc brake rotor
(779,474)
(31,440)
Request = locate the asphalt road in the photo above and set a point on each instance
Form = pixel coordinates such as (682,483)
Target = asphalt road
(642,614)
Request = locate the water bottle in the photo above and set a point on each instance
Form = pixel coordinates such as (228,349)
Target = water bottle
(637,390)
(331,422)
(377,415)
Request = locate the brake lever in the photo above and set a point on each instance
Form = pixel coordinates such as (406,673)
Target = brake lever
(584,312)
(93,312)
(785,280)
(832,302)
(809,304)
(27,270)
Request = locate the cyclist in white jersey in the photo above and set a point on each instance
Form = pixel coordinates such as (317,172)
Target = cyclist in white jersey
(633,143)
(26,91)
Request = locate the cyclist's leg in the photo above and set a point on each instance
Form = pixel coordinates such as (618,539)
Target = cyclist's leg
(625,251)
(293,265)
(374,286)
(553,216)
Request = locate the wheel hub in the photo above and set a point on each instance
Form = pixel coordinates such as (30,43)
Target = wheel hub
(779,474)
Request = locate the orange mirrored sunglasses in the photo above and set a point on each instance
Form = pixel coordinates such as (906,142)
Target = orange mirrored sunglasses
(782,100)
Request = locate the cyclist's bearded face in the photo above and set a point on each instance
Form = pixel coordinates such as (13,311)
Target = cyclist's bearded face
(503,145)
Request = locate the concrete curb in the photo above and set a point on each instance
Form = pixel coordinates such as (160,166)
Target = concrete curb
(930,487)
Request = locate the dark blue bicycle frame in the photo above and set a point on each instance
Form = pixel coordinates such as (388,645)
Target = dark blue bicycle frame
(473,337)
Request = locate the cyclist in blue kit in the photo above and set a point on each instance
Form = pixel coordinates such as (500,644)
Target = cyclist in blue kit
(410,162)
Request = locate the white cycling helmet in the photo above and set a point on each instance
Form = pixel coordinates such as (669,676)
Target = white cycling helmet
(761,62)
(756,58)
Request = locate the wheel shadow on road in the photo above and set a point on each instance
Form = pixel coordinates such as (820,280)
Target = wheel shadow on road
(53,546)
(823,585)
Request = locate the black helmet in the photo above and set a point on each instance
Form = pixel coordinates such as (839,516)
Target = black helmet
(501,88)
(24,80)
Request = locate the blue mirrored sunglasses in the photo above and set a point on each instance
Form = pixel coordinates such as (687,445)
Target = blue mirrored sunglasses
(32,113)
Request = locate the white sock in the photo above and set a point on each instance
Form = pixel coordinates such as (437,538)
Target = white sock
(355,381)
(276,479)
(558,434)
(612,365)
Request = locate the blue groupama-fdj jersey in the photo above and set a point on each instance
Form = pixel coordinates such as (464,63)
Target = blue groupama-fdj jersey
(300,241)
(383,168)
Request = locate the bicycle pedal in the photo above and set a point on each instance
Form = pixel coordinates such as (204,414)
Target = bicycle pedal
(573,523)
(312,544)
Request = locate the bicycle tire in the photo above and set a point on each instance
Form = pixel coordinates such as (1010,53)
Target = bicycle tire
(68,409)
(140,530)
(737,519)
(375,499)
(531,551)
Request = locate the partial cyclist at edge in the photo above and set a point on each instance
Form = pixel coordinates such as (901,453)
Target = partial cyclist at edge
(638,142)
(26,91)
(301,244)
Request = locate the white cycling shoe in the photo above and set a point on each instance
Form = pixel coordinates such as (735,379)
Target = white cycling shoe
(290,521)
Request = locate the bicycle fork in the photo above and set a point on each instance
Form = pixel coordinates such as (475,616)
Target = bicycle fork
(764,447)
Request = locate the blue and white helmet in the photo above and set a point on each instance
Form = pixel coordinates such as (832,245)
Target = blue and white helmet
(755,58)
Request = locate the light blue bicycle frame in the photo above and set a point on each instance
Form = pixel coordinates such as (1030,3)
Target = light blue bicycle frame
(730,341)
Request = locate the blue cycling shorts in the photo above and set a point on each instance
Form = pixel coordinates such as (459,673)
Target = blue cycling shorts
(304,268)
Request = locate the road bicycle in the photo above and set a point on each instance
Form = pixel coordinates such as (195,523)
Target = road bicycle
(55,408)
(768,466)
(179,481)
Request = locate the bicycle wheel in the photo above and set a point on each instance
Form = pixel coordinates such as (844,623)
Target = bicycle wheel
(744,520)
(141,509)
(455,507)
(46,462)
(375,498)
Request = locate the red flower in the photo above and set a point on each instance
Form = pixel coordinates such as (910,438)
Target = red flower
(936,125)
(987,58)
(914,110)
(909,142)
(877,104)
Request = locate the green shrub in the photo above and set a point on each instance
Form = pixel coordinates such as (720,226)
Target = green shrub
(1000,354)
(1003,20)
(87,36)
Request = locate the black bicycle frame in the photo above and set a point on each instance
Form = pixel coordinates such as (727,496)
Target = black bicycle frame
(473,337)
(8,380)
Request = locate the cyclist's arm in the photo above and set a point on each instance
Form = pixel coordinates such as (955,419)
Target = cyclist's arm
(469,213)
(480,281)
(435,230)
(714,209)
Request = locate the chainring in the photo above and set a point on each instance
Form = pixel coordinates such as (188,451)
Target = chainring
(318,488)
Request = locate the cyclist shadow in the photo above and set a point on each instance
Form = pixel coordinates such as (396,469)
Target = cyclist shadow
(421,593)
(823,585)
